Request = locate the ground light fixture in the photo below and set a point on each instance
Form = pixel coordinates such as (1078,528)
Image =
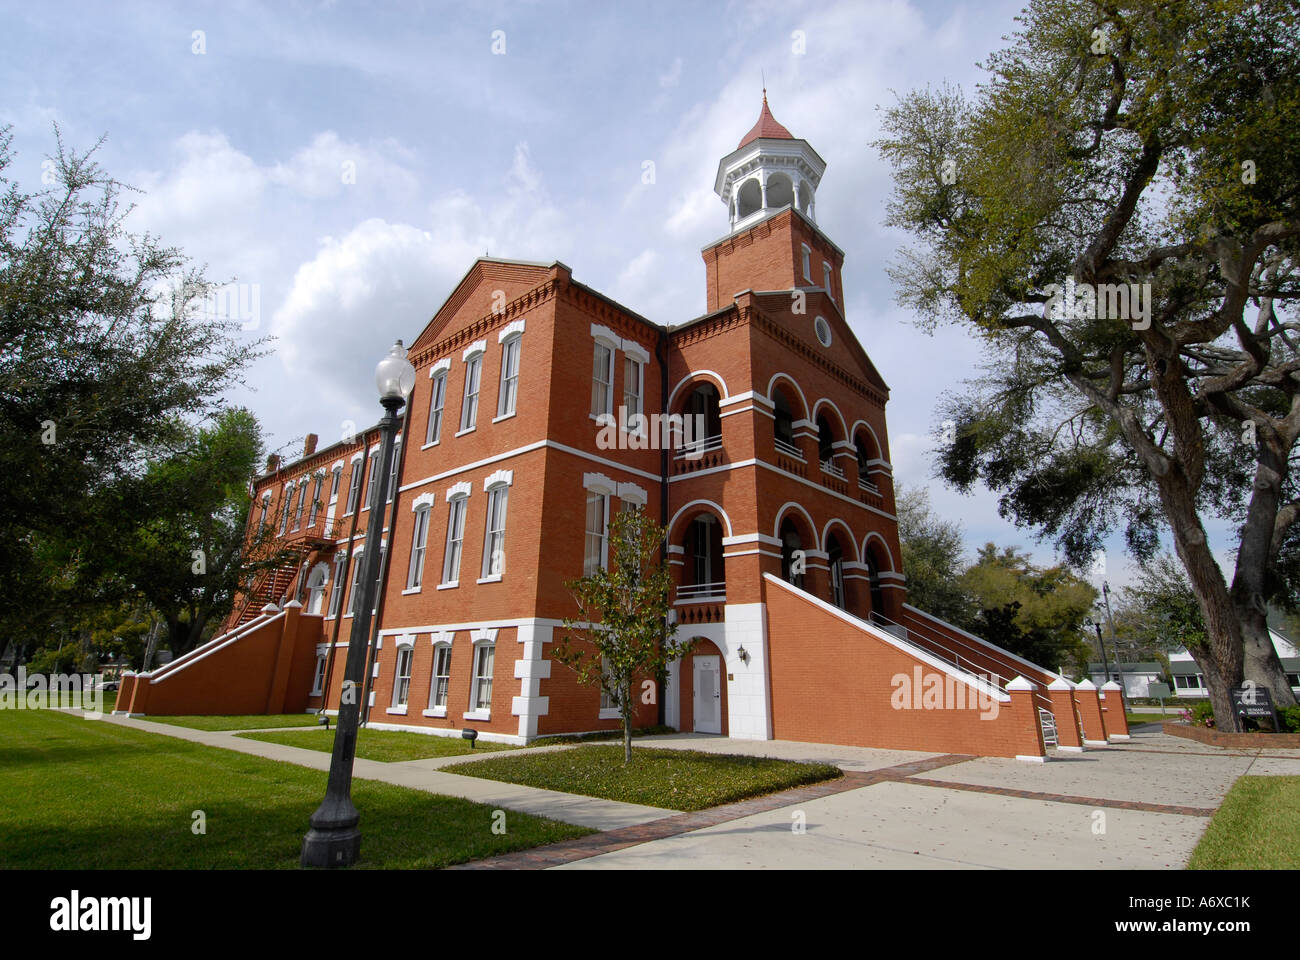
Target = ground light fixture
(334,839)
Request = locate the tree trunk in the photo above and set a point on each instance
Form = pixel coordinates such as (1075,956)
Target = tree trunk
(1255,555)
(1220,695)
(1260,660)
(627,723)
(1221,657)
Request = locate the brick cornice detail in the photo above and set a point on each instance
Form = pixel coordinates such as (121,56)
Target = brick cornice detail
(479,329)
(787,339)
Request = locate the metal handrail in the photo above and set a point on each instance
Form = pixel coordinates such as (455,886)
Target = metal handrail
(957,659)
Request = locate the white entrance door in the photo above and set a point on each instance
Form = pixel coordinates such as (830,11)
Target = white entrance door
(708,694)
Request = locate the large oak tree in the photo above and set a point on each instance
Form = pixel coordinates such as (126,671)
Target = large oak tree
(1128,148)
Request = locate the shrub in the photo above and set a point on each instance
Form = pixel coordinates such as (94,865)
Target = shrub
(1200,714)
(1290,718)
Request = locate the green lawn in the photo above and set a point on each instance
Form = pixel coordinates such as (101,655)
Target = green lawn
(244,722)
(91,794)
(1256,828)
(387,746)
(673,779)
(1136,718)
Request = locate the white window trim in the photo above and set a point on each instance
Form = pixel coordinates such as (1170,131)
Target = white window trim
(510,329)
(807,262)
(441,366)
(462,489)
(634,350)
(443,639)
(478,346)
(633,494)
(499,478)
(318,675)
(498,482)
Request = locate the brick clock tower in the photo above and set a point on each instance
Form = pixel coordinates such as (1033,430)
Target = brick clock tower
(799,485)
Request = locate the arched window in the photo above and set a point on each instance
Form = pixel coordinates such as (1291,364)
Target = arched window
(703,416)
(835,554)
(783,423)
(316,583)
(791,543)
(749,198)
(825,440)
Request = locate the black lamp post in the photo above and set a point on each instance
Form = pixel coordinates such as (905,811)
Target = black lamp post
(334,839)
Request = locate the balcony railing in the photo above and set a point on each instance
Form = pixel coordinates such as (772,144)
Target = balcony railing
(698,448)
(789,449)
(867,485)
(698,592)
(834,469)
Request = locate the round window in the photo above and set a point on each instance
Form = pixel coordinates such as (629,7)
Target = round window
(823,331)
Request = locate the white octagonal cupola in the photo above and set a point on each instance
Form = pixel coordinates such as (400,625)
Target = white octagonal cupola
(769,171)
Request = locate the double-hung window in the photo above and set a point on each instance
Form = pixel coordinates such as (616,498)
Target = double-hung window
(302,496)
(509,391)
(437,400)
(602,380)
(469,408)
(419,541)
(455,539)
(597,515)
(355,603)
(481,697)
(826,277)
(354,487)
(494,540)
(372,484)
(441,676)
(318,678)
(288,506)
(392,474)
(315,499)
(266,505)
(402,679)
(633,391)
(336,593)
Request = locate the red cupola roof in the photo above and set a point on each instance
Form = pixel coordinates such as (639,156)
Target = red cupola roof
(766,127)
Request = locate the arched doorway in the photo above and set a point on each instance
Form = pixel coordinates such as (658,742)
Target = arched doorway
(703,688)
(316,588)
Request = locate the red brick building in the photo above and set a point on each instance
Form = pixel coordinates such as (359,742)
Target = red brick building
(782,534)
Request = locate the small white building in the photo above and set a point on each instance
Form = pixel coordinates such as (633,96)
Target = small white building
(1189,682)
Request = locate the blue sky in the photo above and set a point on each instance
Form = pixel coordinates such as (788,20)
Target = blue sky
(237,121)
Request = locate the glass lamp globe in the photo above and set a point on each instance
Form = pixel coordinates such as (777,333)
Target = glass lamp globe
(394,376)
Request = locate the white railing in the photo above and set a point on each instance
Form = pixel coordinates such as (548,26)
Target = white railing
(789,449)
(689,593)
(867,485)
(698,448)
(834,469)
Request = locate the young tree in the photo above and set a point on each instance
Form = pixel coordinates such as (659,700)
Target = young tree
(1147,153)
(622,632)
